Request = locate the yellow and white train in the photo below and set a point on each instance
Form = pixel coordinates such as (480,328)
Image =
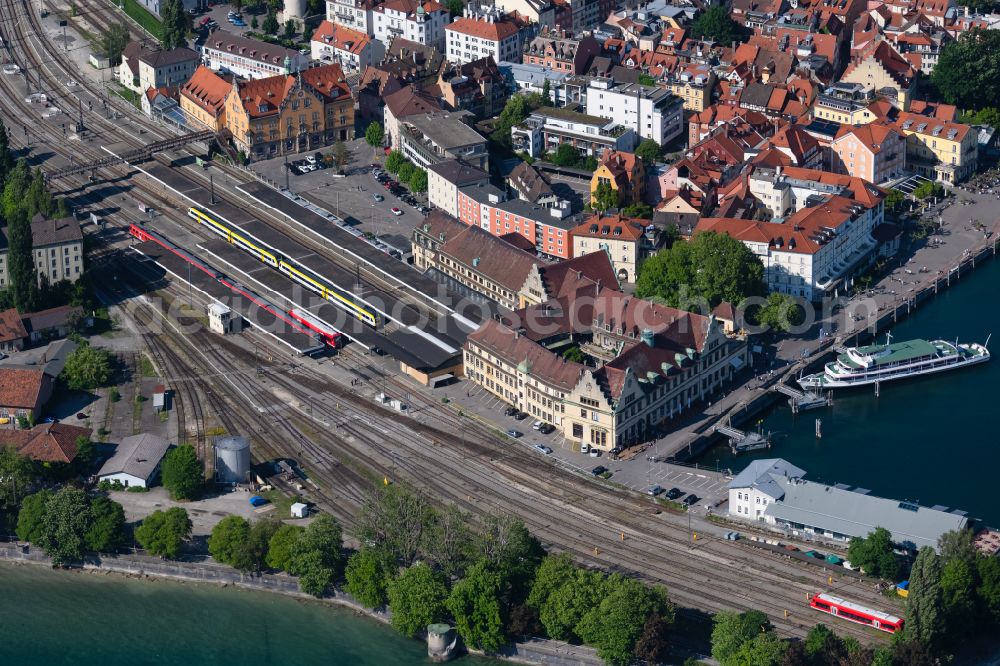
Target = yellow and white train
(304,276)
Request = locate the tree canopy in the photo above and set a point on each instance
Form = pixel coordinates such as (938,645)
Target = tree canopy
(566,156)
(279,549)
(968,71)
(182,473)
(393,519)
(732,630)
(227,540)
(394,160)
(367,577)
(374,135)
(716,24)
(780,313)
(16,476)
(163,533)
(711,267)
(174,24)
(649,150)
(615,624)
(87,368)
(874,553)
(924,601)
(605,197)
(475,604)
(417,598)
(113,41)
(64,526)
(106,531)
(317,556)
(31,515)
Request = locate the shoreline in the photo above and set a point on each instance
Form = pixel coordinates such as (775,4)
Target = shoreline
(144,568)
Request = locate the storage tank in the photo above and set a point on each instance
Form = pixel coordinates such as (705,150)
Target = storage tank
(232,459)
(295,10)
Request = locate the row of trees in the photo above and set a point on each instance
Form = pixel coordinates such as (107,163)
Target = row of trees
(414,177)
(175,24)
(967,73)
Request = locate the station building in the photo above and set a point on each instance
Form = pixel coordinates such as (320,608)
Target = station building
(774,492)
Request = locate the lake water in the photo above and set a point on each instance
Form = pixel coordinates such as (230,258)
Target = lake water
(50,617)
(930,439)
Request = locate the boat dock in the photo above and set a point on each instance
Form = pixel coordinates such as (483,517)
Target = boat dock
(742,442)
(801,401)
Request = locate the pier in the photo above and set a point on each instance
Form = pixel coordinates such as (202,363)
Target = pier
(742,442)
(801,401)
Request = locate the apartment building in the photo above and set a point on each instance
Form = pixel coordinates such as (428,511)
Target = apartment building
(624,239)
(290,113)
(693,84)
(420,21)
(481,33)
(548,127)
(939,149)
(203,99)
(57,247)
(624,173)
(248,58)
(446,177)
(875,152)
(559,53)
(143,68)
(650,112)
(429,138)
(351,49)
(354,15)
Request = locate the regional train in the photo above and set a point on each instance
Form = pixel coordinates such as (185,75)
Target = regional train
(852,612)
(301,274)
(299,320)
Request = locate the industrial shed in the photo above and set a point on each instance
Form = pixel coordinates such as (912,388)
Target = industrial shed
(136,460)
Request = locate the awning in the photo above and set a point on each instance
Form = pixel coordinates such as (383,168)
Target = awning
(736,362)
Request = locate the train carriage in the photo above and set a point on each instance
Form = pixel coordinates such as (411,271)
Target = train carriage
(304,276)
(329,334)
(852,612)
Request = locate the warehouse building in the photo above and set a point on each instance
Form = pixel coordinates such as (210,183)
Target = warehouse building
(136,461)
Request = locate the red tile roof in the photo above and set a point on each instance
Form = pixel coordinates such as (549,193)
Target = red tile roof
(11,326)
(21,388)
(616,227)
(495,31)
(47,442)
(341,38)
(207,90)
(517,349)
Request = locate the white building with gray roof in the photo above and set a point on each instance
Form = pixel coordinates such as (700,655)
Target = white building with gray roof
(773,491)
(136,460)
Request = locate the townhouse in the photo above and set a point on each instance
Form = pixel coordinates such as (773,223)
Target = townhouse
(420,21)
(203,99)
(481,33)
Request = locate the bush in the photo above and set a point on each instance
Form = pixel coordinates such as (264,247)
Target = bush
(87,368)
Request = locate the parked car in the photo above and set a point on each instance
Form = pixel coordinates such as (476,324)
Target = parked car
(543,449)
(395,211)
(378,197)
(537,425)
(732,536)
(653,491)
(520,416)
(600,469)
(516,434)
(239,23)
(584,447)
(690,499)
(546,428)
(81,416)
(510,411)
(674,493)
(595,453)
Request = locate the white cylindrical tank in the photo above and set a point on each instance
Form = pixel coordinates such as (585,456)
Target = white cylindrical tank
(294,9)
(232,459)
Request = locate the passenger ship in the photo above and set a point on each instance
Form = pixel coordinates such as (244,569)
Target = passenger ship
(856,366)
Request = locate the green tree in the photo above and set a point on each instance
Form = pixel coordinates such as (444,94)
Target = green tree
(254,23)
(114,42)
(368,573)
(64,526)
(575,354)
(31,516)
(913,653)
(375,135)
(988,116)
(566,156)
(394,519)
(646,80)
(649,150)
(394,160)
(822,646)
(514,113)
(475,604)
(455,7)
(15,189)
(604,197)
(563,593)
(615,624)
(928,189)
(174,26)
(20,261)
(290,29)
(958,544)
(780,313)
(958,595)
(968,72)
(227,540)
(417,180)
(923,604)
(732,630)
(546,93)
(893,198)
(86,452)
(16,476)
(317,555)
(270,24)
(87,368)
(406,170)
(6,157)
(106,531)
(713,267)
(279,550)
(764,649)
(448,540)
(341,156)
(163,533)
(988,590)
(259,542)
(182,473)
(417,598)
(716,24)
(509,548)
(875,555)
(640,210)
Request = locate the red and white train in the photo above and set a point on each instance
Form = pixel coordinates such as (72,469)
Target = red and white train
(852,612)
(330,336)
(299,320)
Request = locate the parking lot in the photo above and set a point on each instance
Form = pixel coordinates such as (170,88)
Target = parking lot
(350,195)
(637,474)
